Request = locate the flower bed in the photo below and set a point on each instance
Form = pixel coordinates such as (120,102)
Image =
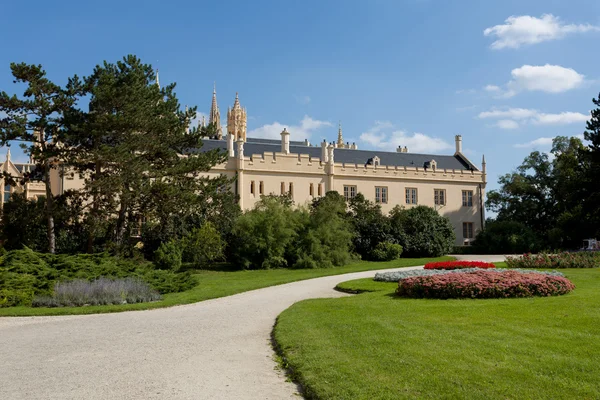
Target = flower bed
(559,260)
(484,284)
(395,276)
(458,265)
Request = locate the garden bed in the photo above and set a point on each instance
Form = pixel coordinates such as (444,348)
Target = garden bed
(559,260)
(484,284)
(449,265)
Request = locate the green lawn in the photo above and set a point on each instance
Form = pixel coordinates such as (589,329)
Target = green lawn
(377,346)
(215,284)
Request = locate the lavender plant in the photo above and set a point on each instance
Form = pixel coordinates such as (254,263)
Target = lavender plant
(101,291)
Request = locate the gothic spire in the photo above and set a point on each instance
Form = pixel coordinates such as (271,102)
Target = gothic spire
(340,139)
(215,115)
(236,103)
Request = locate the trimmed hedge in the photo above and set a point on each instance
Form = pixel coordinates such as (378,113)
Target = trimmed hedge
(458,265)
(560,260)
(484,284)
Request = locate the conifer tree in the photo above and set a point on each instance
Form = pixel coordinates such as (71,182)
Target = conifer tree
(592,173)
(135,149)
(37,120)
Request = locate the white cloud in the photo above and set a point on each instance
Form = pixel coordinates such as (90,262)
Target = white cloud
(492,88)
(540,142)
(379,137)
(507,124)
(563,118)
(302,131)
(525,29)
(512,113)
(545,78)
(511,118)
(303,99)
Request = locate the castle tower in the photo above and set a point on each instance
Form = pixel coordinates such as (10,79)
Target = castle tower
(215,115)
(340,139)
(236,120)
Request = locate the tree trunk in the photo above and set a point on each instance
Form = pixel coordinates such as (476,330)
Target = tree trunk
(93,226)
(49,210)
(121,223)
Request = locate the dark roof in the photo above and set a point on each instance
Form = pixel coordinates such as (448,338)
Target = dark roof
(347,156)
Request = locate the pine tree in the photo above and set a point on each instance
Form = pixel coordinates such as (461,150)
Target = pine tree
(135,150)
(591,201)
(37,121)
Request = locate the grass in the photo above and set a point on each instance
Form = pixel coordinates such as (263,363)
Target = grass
(377,346)
(215,284)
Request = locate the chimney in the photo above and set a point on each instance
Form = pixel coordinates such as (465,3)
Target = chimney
(458,141)
(285,141)
(240,148)
(330,153)
(405,149)
(399,149)
(306,142)
(324,151)
(230,150)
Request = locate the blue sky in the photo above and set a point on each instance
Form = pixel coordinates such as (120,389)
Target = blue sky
(507,75)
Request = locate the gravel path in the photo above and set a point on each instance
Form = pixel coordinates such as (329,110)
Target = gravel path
(215,349)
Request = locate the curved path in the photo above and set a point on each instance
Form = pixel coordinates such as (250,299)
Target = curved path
(215,349)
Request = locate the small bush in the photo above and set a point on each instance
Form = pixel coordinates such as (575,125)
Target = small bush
(458,265)
(203,245)
(168,256)
(387,251)
(102,291)
(483,284)
(552,261)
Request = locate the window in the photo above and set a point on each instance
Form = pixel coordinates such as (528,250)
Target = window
(349,192)
(291,189)
(439,197)
(252,187)
(261,188)
(411,196)
(6,193)
(311,190)
(467,198)
(320,189)
(468,230)
(282,187)
(381,194)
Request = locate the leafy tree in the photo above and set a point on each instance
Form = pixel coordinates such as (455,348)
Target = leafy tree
(507,237)
(37,120)
(263,235)
(135,151)
(422,231)
(370,226)
(326,238)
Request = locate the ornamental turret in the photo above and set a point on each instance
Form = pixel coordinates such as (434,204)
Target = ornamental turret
(237,120)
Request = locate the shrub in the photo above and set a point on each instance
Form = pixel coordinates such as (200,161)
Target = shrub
(506,237)
(168,256)
(484,284)
(560,260)
(422,231)
(326,237)
(203,245)
(458,265)
(101,291)
(387,251)
(370,226)
(25,274)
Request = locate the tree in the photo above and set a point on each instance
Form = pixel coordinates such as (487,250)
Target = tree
(591,198)
(37,120)
(325,240)
(371,227)
(422,231)
(136,152)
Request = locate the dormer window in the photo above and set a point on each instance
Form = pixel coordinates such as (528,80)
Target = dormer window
(376,161)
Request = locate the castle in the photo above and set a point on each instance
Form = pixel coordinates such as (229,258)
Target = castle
(451,184)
